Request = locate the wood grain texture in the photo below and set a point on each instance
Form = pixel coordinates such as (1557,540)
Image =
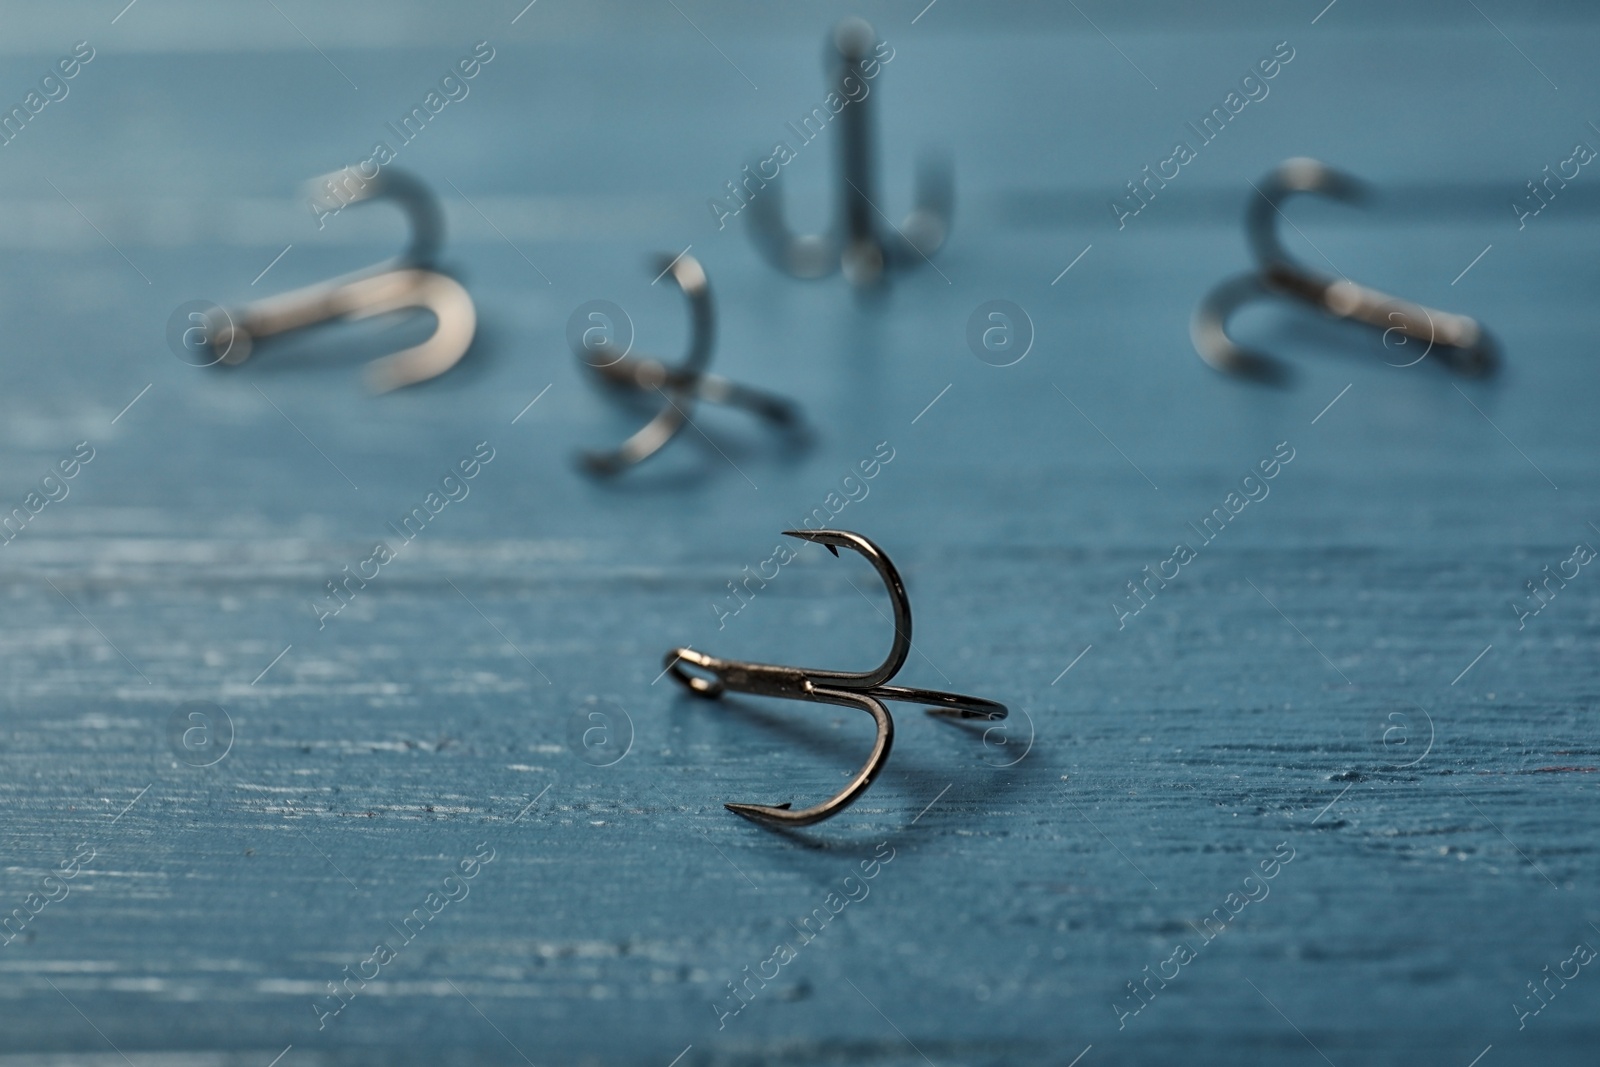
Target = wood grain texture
(1338,673)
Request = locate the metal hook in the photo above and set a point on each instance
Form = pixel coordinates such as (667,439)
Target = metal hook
(866,690)
(681,386)
(856,243)
(1463,345)
(410,281)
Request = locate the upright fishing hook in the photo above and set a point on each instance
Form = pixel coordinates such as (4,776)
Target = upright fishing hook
(856,242)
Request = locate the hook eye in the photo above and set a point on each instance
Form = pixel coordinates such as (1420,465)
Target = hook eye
(711,687)
(851,41)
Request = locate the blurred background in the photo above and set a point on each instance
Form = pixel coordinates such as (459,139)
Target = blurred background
(1356,674)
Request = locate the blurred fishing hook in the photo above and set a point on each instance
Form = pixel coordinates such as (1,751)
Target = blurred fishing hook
(1462,344)
(680,386)
(411,281)
(856,243)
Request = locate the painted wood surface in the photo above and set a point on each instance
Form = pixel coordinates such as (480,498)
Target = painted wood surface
(1336,690)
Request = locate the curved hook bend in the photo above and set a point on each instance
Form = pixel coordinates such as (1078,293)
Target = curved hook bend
(1208,330)
(1461,342)
(233,334)
(339,189)
(866,690)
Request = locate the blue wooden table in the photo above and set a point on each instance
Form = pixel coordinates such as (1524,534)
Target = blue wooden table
(1327,795)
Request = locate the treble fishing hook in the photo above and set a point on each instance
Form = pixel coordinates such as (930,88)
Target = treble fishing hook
(866,690)
(410,281)
(681,386)
(856,243)
(1462,344)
